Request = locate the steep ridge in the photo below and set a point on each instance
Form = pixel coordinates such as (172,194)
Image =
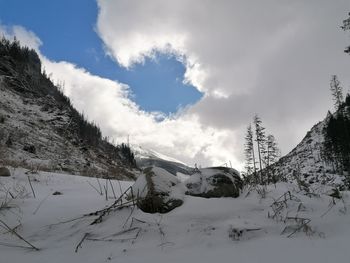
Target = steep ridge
(305,161)
(40,129)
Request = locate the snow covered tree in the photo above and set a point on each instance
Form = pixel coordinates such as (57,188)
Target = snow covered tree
(260,141)
(272,150)
(249,152)
(336,146)
(337,92)
(261,149)
(271,155)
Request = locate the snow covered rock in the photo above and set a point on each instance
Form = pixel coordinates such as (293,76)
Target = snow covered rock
(157,191)
(4,172)
(214,182)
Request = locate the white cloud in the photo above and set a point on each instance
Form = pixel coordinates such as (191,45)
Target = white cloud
(107,103)
(273,58)
(27,38)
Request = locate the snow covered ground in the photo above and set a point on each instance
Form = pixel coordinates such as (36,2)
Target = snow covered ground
(245,229)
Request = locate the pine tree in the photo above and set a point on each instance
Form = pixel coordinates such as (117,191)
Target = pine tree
(249,152)
(272,154)
(336,146)
(337,92)
(260,140)
(272,151)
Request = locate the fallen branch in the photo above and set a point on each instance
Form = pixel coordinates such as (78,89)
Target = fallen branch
(303,224)
(126,221)
(30,183)
(110,182)
(330,208)
(106,192)
(138,220)
(42,201)
(120,189)
(108,239)
(237,233)
(115,205)
(81,242)
(94,187)
(166,243)
(65,222)
(98,181)
(11,245)
(13,231)
(106,211)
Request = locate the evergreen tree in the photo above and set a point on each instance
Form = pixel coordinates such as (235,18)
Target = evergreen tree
(272,154)
(337,92)
(336,146)
(127,154)
(267,152)
(260,141)
(249,152)
(272,150)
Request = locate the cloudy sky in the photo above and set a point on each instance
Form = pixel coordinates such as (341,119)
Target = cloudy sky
(186,77)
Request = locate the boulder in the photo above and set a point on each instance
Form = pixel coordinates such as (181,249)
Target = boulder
(214,182)
(29,148)
(4,172)
(157,191)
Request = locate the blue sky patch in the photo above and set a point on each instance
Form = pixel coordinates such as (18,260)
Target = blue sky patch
(66,28)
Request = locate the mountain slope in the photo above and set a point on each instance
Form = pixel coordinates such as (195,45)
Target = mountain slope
(145,158)
(39,127)
(305,161)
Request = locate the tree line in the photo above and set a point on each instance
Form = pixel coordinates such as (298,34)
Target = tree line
(261,151)
(336,146)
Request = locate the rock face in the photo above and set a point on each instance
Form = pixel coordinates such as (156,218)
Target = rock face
(4,172)
(157,191)
(214,182)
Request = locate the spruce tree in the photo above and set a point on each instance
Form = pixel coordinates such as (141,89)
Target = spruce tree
(336,146)
(272,154)
(272,151)
(337,92)
(249,152)
(260,141)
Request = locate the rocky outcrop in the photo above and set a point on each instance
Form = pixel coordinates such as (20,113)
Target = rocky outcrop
(157,191)
(214,182)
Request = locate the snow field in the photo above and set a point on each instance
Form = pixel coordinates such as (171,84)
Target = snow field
(201,230)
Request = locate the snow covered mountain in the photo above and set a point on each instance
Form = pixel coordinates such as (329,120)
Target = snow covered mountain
(40,129)
(145,158)
(305,161)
